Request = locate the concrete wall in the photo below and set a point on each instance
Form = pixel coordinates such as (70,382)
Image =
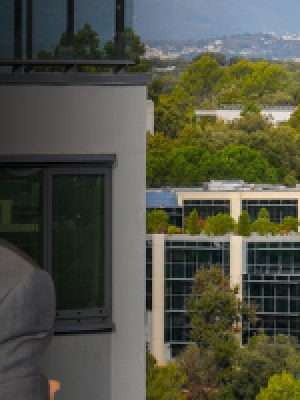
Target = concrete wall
(150,117)
(37,119)
(158,297)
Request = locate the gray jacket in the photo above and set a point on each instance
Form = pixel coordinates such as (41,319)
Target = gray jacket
(27,309)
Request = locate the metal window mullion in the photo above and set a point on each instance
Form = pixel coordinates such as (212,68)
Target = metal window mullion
(29,29)
(18,29)
(120,29)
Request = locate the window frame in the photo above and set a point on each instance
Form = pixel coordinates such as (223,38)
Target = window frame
(77,320)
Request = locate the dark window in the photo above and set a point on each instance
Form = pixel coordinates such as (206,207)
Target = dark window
(61,217)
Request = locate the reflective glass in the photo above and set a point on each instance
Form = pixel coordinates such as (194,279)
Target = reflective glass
(177,302)
(78,264)
(294,290)
(255,289)
(148,271)
(250,257)
(177,271)
(21,210)
(261,257)
(294,306)
(190,270)
(94,29)
(178,256)
(269,289)
(6,29)
(128,28)
(282,305)
(268,305)
(49,29)
(282,290)
(275,256)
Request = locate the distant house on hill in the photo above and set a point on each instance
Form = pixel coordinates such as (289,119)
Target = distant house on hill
(275,114)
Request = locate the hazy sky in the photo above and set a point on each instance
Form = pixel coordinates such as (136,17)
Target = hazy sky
(196,19)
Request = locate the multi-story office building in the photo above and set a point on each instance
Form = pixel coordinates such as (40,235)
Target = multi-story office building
(72,183)
(229,197)
(266,269)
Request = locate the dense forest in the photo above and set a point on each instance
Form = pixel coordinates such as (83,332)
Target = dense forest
(186,151)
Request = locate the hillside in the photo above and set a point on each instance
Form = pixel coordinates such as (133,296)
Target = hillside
(267,46)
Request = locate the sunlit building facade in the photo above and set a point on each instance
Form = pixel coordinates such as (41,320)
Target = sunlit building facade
(265,268)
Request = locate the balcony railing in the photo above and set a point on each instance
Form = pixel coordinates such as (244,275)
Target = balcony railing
(65,33)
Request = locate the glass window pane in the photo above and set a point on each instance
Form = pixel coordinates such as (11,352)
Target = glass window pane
(190,270)
(21,210)
(255,289)
(274,256)
(178,255)
(49,29)
(282,290)
(6,29)
(294,304)
(268,305)
(282,305)
(94,29)
(177,271)
(250,257)
(268,289)
(78,229)
(261,257)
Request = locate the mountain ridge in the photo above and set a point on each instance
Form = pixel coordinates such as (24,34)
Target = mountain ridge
(198,19)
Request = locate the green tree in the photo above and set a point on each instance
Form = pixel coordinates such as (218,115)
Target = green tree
(265,354)
(165,383)
(202,78)
(158,168)
(263,226)
(219,224)
(200,371)
(263,213)
(189,165)
(244,224)
(213,308)
(219,57)
(249,108)
(159,141)
(241,162)
(155,89)
(294,120)
(250,122)
(281,386)
(156,221)
(291,223)
(191,223)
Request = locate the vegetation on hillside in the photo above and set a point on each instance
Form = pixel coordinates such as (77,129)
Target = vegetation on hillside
(188,151)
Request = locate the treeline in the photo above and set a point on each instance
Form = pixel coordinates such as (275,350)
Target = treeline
(187,151)
(215,366)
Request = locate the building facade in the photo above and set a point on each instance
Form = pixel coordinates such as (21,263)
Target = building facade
(265,268)
(228,197)
(72,184)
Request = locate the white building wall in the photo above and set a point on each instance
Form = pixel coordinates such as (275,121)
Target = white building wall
(275,115)
(158,301)
(44,119)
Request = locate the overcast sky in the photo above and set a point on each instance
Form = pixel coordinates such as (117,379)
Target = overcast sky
(196,19)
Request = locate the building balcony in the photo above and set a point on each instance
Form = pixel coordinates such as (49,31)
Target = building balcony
(65,33)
